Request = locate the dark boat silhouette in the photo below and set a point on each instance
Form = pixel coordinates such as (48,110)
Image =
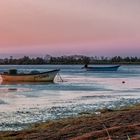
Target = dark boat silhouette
(102,68)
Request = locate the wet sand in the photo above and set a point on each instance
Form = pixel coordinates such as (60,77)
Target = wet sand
(109,124)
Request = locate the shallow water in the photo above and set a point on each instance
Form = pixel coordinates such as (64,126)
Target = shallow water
(24,103)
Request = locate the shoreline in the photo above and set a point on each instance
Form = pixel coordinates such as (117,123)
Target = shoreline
(124,64)
(114,124)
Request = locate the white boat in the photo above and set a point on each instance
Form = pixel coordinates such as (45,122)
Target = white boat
(13,76)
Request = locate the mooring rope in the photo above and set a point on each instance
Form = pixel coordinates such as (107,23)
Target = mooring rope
(60,77)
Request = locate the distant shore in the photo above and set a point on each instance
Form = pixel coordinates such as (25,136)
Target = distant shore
(71,60)
(103,125)
(123,64)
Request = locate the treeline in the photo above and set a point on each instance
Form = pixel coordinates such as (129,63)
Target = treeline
(26,60)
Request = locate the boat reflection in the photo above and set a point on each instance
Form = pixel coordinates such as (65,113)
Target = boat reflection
(25,83)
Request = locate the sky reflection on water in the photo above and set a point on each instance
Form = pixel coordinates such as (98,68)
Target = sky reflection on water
(24,103)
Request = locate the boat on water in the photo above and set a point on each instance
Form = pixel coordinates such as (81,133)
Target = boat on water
(102,68)
(34,76)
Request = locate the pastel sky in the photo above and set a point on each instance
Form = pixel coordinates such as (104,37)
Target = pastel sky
(90,27)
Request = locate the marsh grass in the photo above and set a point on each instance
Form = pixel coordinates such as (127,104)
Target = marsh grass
(122,124)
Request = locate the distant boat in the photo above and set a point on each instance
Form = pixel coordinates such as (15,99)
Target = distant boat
(102,68)
(34,76)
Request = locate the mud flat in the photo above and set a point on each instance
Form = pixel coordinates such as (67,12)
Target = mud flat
(103,125)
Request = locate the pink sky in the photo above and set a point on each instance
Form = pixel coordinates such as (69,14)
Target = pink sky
(98,27)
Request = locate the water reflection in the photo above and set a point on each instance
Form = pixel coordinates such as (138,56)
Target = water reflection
(23,103)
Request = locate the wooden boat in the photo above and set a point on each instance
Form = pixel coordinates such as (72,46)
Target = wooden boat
(13,76)
(102,68)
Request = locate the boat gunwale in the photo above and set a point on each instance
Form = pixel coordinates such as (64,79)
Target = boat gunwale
(30,74)
(102,67)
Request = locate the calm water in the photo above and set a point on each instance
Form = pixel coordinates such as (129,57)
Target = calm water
(80,92)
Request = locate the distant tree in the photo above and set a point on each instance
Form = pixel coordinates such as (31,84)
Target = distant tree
(86,60)
(74,59)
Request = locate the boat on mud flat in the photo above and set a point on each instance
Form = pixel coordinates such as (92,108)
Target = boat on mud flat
(102,68)
(34,76)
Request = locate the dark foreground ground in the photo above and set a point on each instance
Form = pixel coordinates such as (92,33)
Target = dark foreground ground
(121,124)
